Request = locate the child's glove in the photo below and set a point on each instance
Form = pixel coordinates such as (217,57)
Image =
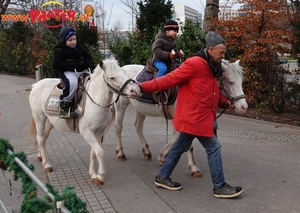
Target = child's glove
(172,54)
(180,53)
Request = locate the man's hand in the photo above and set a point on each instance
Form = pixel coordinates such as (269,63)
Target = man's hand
(228,104)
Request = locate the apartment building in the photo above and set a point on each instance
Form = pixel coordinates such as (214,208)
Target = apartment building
(183,12)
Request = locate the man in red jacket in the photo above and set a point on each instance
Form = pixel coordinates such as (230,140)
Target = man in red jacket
(195,115)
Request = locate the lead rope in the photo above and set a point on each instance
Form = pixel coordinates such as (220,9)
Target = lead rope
(222,111)
(165,113)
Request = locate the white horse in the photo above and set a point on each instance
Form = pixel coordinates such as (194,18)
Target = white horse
(108,78)
(231,85)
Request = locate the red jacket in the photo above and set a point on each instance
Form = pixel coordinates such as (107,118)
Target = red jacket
(198,96)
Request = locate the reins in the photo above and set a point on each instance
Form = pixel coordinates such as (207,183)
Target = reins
(114,90)
(165,112)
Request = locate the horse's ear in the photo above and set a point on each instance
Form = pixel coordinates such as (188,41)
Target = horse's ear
(237,62)
(101,63)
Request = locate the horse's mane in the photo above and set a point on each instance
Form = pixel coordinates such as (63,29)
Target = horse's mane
(108,64)
(234,69)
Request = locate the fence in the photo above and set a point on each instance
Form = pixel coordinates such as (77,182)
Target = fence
(59,205)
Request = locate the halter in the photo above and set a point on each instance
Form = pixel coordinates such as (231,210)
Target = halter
(229,96)
(114,90)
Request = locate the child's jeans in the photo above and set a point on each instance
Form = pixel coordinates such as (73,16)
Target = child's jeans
(162,68)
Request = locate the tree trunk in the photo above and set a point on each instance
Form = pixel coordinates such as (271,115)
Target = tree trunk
(211,12)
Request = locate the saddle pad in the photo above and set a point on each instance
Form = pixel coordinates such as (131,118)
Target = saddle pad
(148,97)
(52,108)
(52,103)
(141,77)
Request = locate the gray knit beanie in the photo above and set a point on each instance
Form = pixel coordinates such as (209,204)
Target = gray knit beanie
(213,38)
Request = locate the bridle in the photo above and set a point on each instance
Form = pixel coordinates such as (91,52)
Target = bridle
(229,96)
(114,90)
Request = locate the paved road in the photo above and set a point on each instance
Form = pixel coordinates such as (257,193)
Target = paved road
(262,157)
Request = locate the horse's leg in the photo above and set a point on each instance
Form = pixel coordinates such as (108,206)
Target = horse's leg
(43,128)
(195,171)
(139,125)
(120,108)
(92,166)
(96,151)
(165,150)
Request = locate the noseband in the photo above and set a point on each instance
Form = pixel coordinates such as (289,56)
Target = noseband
(114,90)
(229,96)
(119,92)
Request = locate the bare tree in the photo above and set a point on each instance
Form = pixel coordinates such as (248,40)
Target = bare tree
(117,26)
(133,10)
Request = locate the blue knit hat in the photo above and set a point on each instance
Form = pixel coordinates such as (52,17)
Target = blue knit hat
(69,34)
(65,33)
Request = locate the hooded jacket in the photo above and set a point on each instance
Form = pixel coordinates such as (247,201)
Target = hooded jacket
(198,94)
(162,46)
(67,58)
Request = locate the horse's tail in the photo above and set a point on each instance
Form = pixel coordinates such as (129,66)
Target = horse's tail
(32,127)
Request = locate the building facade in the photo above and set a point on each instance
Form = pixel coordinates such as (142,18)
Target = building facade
(183,12)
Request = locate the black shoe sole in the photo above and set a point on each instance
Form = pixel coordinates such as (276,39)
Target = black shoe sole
(229,196)
(167,187)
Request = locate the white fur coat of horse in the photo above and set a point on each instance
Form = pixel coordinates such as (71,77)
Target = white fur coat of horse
(107,78)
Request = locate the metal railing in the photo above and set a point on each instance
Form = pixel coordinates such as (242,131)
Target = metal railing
(59,205)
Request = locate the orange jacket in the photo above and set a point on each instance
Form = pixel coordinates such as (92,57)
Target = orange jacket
(198,96)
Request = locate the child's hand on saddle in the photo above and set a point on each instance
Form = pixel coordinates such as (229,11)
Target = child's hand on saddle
(172,54)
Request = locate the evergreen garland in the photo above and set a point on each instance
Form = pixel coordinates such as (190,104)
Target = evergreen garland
(4,145)
(71,201)
(31,203)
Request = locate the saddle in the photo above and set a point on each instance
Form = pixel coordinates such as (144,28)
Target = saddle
(53,100)
(166,97)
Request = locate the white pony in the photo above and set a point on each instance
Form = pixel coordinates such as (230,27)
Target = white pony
(108,78)
(231,84)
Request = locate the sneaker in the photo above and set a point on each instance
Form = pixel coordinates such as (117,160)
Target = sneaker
(167,183)
(228,191)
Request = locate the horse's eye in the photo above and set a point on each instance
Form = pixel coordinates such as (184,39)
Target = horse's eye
(231,83)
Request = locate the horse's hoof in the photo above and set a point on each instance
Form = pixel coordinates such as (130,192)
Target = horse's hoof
(148,156)
(39,158)
(97,181)
(49,169)
(160,162)
(196,174)
(122,158)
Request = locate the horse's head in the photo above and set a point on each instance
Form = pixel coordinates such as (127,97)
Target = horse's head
(116,79)
(231,84)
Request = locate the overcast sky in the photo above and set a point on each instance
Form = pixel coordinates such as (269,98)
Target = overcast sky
(118,13)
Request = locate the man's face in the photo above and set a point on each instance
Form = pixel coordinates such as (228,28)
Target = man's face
(217,52)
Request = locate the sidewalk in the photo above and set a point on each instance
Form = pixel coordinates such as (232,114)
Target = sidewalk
(260,156)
